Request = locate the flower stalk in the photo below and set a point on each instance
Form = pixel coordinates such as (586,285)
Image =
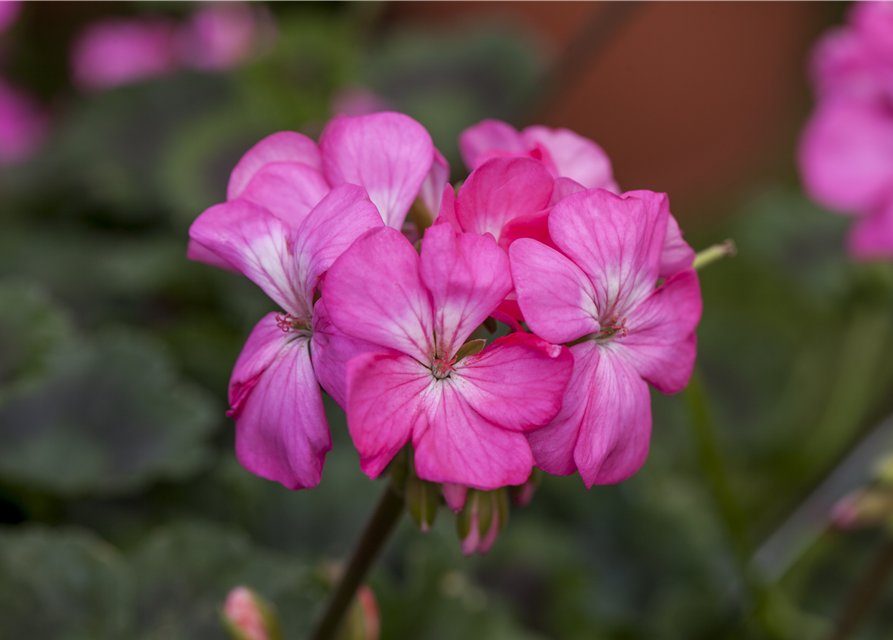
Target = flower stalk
(713,253)
(387,513)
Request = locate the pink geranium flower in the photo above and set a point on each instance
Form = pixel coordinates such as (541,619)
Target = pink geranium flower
(389,154)
(23,125)
(564,153)
(9,13)
(120,51)
(219,36)
(465,414)
(846,149)
(281,428)
(597,293)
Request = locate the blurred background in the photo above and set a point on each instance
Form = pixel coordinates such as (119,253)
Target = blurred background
(124,511)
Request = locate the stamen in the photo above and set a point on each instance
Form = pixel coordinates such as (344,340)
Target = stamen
(615,327)
(441,367)
(287,322)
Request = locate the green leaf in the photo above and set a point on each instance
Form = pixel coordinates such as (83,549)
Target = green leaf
(112,417)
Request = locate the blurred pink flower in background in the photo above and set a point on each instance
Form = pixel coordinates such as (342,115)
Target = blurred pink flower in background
(9,11)
(846,149)
(114,52)
(220,36)
(356,100)
(23,125)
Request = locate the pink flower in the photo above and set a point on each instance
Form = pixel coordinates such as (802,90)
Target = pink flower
(512,197)
(219,36)
(114,52)
(23,125)
(281,428)
(846,149)
(597,293)
(9,13)
(465,414)
(389,154)
(564,153)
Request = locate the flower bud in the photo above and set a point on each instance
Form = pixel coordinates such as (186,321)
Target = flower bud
(863,508)
(522,494)
(248,616)
(362,621)
(482,518)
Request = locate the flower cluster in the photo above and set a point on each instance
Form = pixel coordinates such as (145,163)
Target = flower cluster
(846,150)
(596,290)
(119,51)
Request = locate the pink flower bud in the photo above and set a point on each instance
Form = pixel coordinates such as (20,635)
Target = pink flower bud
(247,616)
(482,518)
(363,621)
(454,494)
(522,494)
(863,508)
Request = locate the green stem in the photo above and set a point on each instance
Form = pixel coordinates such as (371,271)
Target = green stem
(865,594)
(379,527)
(714,253)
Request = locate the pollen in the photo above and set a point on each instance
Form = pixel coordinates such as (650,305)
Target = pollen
(616,326)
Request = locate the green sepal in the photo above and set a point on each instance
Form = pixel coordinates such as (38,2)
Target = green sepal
(470,348)
(485,512)
(501,498)
(421,215)
(399,469)
(422,499)
(463,519)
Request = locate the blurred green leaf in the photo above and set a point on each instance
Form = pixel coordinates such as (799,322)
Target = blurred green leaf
(112,417)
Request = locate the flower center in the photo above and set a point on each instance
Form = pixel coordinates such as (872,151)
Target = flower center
(441,366)
(288,323)
(616,326)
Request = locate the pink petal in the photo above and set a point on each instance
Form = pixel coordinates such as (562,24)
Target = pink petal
(331,350)
(557,298)
(676,254)
(448,209)
(534,226)
(385,396)
(846,156)
(486,136)
(281,428)
(389,154)
(435,183)
(574,157)
(374,292)
(661,345)
(342,217)
(553,445)
(285,146)
(467,276)
(199,253)
(871,237)
(616,240)
(258,244)
(616,426)
(454,495)
(563,188)
(454,443)
(288,190)
(500,190)
(517,382)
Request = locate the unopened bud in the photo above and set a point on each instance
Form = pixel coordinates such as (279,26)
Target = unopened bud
(248,616)
(522,494)
(362,621)
(482,518)
(863,508)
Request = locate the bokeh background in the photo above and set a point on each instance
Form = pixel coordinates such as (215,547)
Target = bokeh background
(124,512)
